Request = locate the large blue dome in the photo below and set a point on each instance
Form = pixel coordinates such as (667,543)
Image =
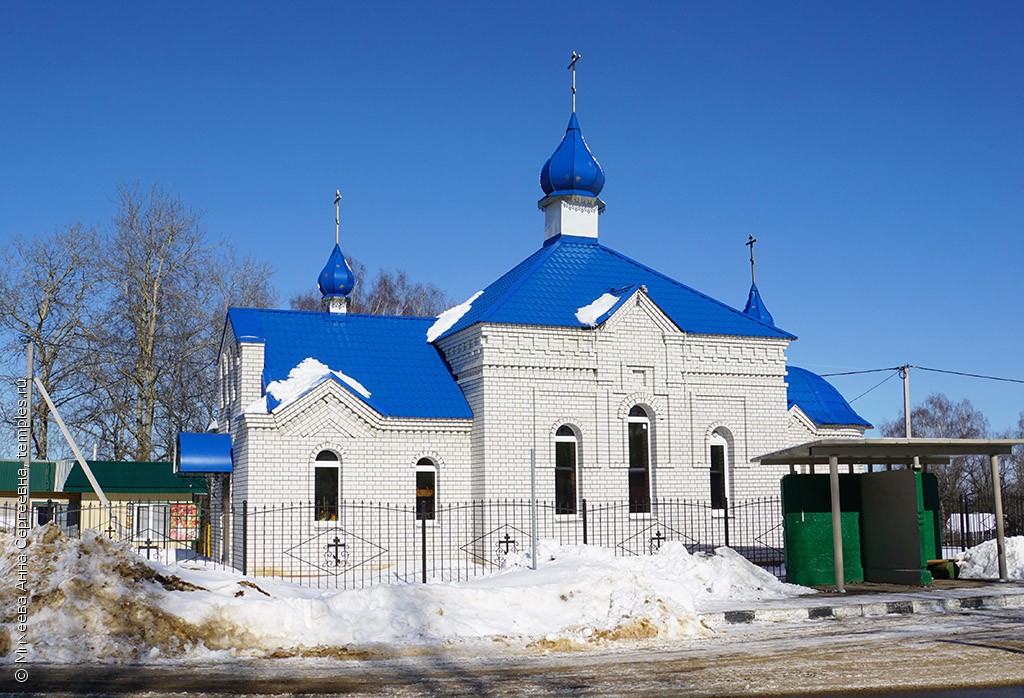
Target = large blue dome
(336,279)
(572,169)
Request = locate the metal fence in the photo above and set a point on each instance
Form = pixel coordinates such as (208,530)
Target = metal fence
(972,520)
(358,544)
(165,530)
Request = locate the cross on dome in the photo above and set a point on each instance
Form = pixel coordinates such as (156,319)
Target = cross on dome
(336,278)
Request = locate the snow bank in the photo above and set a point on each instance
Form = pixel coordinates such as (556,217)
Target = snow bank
(95,600)
(982,561)
(588,314)
(307,375)
(448,318)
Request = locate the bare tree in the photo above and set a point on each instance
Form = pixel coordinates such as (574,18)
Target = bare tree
(47,288)
(1013,464)
(167,290)
(940,418)
(390,293)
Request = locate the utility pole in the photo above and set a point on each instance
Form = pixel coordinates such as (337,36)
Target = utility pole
(28,420)
(905,375)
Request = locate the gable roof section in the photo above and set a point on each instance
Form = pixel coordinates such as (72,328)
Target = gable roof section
(567,273)
(819,400)
(390,356)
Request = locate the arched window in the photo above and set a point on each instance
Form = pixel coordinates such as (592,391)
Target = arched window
(719,470)
(426,489)
(326,486)
(565,470)
(638,434)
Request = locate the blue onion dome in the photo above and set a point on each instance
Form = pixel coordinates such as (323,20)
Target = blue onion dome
(336,279)
(572,169)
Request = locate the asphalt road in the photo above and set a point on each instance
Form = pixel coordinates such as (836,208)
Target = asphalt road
(932,655)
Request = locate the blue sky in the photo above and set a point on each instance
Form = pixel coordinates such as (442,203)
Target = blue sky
(875,149)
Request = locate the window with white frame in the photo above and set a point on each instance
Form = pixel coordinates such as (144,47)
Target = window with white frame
(638,435)
(719,456)
(426,489)
(326,486)
(152,522)
(566,460)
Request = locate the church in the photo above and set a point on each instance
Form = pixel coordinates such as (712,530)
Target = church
(578,374)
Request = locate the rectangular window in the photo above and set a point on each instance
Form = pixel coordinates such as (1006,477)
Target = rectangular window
(152,522)
(325,493)
(639,469)
(565,477)
(718,477)
(426,491)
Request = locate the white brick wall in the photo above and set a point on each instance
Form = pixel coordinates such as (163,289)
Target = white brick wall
(522,382)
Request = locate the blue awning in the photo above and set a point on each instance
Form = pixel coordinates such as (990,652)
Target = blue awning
(203,453)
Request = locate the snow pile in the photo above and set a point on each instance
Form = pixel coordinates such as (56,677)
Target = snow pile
(448,318)
(93,600)
(88,599)
(307,375)
(588,314)
(982,561)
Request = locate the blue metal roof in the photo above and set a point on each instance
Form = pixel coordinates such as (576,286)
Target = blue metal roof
(390,356)
(567,273)
(755,307)
(819,400)
(203,453)
(572,169)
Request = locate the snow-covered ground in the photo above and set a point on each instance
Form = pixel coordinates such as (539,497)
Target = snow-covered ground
(94,600)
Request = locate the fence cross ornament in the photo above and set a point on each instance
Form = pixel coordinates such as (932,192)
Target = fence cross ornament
(656,540)
(508,542)
(148,547)
(331,551)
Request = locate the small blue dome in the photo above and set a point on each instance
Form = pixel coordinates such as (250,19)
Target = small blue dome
(572,169)
(336,279)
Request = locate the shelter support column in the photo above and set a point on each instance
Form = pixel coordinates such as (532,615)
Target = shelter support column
(997,494)
(837,523)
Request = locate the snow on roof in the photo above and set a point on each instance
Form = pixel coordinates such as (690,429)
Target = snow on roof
(589,314)
(579,597)
(449,317)
(301,379)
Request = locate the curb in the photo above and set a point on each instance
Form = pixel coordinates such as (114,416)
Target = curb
(862,610)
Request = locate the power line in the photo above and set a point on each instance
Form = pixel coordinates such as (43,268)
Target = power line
(876,385)
(970,375)
(925,368)
(869,370)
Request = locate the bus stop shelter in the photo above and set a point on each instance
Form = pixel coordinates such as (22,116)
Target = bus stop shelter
(923,452)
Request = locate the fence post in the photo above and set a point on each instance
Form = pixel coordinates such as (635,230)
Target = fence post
(245,536)
(584,514)
(726,498)
(423,539)
(963,522)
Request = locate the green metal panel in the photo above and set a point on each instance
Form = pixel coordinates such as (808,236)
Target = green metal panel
(134,478)
(931,533)
(40,476)
(807,522)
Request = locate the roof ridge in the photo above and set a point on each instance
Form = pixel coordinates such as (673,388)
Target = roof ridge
(542,255)
(289,311)
(680,284)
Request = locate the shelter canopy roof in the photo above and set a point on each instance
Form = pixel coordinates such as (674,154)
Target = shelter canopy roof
(882,451)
